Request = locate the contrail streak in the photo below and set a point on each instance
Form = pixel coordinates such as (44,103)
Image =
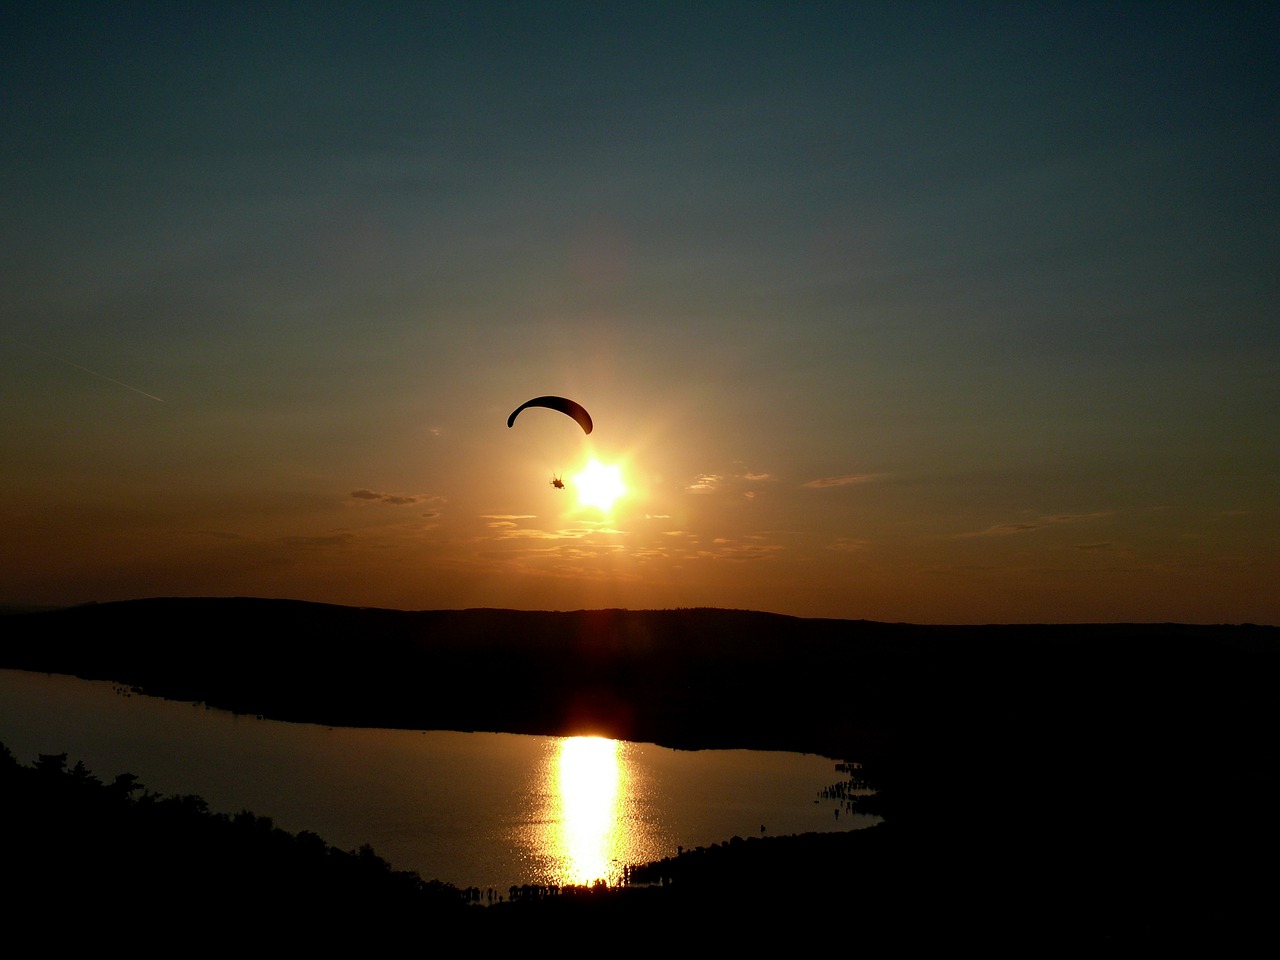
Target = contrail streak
(100,376)
(103,376)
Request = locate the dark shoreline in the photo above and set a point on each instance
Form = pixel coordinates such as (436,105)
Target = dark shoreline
(1111,782)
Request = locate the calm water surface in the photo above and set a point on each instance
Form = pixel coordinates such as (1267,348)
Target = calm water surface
(473,809)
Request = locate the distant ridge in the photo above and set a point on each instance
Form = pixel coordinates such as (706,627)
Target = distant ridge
(693,677)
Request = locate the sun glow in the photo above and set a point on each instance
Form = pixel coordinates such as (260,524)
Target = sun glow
(599,485)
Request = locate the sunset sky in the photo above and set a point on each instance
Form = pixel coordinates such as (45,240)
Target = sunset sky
(945,312)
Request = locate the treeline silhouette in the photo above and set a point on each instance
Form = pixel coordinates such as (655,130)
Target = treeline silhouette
(112,855)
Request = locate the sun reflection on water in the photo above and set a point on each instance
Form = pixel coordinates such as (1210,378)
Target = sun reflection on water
(588,829)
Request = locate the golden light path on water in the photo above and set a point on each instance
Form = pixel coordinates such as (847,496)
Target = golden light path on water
(586,835)
(597,806)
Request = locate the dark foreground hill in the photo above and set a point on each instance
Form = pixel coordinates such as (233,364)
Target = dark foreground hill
(1100,781)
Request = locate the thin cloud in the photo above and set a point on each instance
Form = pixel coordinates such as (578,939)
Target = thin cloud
(505,521)
(713,482)
(822,483)
(1026,526)
(847,545)
(730,550)
(391,499)
(727,548)
(506,526)
(1004,530)
(332,540)
(532,534)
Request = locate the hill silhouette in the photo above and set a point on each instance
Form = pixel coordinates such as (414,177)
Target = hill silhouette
(685,678)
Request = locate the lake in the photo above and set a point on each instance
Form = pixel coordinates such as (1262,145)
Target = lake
(472,809)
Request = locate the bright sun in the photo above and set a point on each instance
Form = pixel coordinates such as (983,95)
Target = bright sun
(599,486)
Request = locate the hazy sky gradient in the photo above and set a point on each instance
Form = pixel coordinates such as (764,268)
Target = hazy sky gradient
(951,312)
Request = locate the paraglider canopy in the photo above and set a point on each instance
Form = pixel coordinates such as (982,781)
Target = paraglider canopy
(564,405)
